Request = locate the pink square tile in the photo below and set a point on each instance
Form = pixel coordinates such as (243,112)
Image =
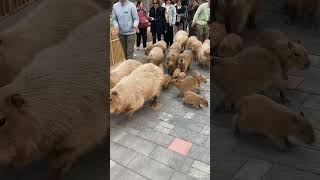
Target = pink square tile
(180,146)
(294,81)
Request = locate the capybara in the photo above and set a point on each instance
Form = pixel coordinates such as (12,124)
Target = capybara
(187,84)
(185,60)
(156,56)
(176,73)
(262,115)
(172,60)
(181,37)
(199,77)
(55,107)
(238,14)
(182,75)
(161,44)
(230,45)
(47,24)
(194,45)
(204,53)
(194,99)
(122,70)
(166,81)
(218,33)
(307,10)
(176,46)
(129,95)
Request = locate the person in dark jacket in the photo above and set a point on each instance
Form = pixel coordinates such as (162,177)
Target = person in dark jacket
(181,15)
(158,21)
(192,8)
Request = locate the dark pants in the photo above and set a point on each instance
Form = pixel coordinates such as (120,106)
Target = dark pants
(142,34)
(192,31)
(169,35)
(156,36)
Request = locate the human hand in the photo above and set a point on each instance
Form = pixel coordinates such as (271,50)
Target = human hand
(136,29)
(116,31)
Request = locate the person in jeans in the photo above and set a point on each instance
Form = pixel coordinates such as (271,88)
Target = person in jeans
(171,21)
(125,21)
(158,21)
(200,21)
(192,8)
(143,25)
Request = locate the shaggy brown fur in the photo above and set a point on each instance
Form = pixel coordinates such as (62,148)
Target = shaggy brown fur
(161,44)
(172,60)
(230,45)
(39,30)
(176,73)
(124,69)
(199,77)
(156,56)
(129,95)
(194,99)
(166,81)
(185,60)
(176,46)
(218,33)
(187,84)
(181,37)
(182,75)
(56,106)
(204,53)
(260,114)
(194,45)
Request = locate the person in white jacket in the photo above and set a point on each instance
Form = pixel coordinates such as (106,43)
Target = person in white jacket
(171,21)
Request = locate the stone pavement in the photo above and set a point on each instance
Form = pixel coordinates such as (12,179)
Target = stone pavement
(255,158)
(168,143)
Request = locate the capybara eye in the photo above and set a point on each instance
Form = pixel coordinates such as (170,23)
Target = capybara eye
(2,121)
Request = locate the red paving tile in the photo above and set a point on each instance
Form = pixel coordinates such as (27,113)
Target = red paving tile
(294,82)
(180,146)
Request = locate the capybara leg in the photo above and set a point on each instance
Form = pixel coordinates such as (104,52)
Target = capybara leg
(154,101)
(236,130)
(283,98)
(130,114)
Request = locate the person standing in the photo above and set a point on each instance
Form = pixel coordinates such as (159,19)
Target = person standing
(171,21)
(181,14)
(143,25)
(192,8)
(158,21)
(200,20)
(125,22)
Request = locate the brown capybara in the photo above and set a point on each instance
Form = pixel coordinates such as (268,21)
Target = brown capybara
(185,60)
(161,44)
(156,56)
(176,73)
(307,10)
(238,14)
(182,75)
(199,77)
(194,45)
(262,115)
(194,99)
(176,46)
(47,24)
(187,84)
(122,70)
(172,60)
(271,38)
(181,37)
(129,95)
(55,107)
(204,54)
(218,33)
(230,45)
(166,81)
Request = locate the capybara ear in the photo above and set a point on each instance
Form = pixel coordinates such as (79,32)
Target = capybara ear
(301,113)
(15,100)
(114,93)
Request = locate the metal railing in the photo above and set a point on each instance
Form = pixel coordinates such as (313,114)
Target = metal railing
(8,7)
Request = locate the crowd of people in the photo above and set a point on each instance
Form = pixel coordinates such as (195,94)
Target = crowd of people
(131,21)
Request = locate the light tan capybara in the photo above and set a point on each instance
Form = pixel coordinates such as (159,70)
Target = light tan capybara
(55,107)
(230,45)
(238,14)
(307,10)
(181,37)
(176,46)
(129,95)
(156,56)
(47,24)
(176,73)
(166,81)
(182,75)
(199,77)
(187,84)
(122,70)
(172,60)
(194,45)
(161,44)
(185,60)
(262,115)
(204,54)
(194,99)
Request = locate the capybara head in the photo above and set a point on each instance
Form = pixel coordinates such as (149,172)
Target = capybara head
(298,55)
(17,130)
(182,75)
(176,73)
(302,129)
(203,102)
(116,104)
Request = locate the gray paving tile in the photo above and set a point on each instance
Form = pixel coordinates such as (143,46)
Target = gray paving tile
(121,154)
(280,172)
(189,135)
(118,172)
(156,137)
(198,174)
(206,130)
(164,127)
(180,176)
(253,170)
(199,153)
(137,144)
(192,124)
(172,159)
(150,168)
(201,166)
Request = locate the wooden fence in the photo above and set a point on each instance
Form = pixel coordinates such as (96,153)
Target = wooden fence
(116,51)
(8,7)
